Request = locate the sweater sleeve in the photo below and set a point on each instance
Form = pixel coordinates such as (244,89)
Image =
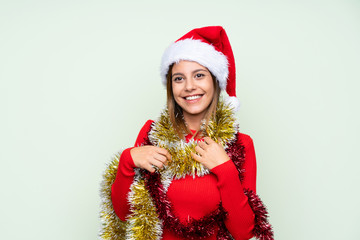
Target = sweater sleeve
(240,219)
(125,176)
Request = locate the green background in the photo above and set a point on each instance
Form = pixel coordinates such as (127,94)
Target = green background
(80,78)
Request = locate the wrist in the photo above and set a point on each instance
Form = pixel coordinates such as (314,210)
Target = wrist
(224,168)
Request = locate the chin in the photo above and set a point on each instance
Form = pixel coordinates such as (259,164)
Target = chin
(194,111)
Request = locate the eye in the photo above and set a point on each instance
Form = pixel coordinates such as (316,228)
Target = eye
(199,75)
(177,79)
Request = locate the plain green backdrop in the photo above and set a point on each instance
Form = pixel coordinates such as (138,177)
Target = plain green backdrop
(80,78)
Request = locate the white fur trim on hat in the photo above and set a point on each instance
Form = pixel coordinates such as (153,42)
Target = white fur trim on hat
(233,102)
(197,51)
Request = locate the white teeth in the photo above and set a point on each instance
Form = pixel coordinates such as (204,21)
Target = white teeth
(193,97)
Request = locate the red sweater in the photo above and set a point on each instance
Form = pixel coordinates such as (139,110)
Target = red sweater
(196,197)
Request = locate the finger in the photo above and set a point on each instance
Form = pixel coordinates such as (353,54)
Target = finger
(160,157)
(208,140)
(196,157)
(168,156)
(150,168)
(157,163)
(200,150)
(202,145)
(164,152)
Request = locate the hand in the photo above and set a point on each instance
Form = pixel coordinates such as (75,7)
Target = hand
(147,157)
(210,154)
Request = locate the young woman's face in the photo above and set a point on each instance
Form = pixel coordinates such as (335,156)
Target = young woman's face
(192,87)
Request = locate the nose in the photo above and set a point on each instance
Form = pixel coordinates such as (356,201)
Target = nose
(190,84)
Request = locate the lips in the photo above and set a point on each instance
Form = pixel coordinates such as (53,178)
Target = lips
(193,97)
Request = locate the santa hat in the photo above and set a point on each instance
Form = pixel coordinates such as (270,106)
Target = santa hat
(210,47)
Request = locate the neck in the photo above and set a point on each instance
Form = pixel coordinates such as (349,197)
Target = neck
(194,121)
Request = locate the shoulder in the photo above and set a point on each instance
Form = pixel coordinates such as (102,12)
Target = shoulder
(147,126)
(142,136)
(244,139)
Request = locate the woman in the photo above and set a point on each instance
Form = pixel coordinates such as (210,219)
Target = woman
(191,174)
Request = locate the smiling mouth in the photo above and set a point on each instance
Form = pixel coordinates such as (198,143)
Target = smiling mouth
(194,97)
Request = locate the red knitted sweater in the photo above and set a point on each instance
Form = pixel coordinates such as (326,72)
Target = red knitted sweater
(196,197)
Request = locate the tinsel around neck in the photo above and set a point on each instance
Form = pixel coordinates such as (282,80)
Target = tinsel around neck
(221,128)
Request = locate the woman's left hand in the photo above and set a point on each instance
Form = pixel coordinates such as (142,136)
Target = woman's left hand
(210,153)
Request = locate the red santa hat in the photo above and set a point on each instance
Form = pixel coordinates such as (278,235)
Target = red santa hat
(210,47)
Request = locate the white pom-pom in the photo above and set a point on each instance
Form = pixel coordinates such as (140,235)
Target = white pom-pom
(233,102)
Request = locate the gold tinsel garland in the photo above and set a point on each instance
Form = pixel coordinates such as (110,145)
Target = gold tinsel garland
(143,222)
(112,227)
(221,129)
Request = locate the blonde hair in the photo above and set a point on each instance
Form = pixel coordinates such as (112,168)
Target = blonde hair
(175,111)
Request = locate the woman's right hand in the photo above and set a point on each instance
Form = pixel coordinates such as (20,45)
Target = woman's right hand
(147,157)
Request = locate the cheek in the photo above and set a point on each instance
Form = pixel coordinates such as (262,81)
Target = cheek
(210,88)
(176,91)
(175,95)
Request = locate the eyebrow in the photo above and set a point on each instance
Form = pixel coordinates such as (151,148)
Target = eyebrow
(196,70)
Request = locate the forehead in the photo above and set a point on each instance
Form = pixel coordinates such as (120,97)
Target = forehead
(187,66)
